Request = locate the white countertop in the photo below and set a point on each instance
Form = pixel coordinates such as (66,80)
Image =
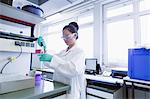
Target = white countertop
(108,79)
(136,80)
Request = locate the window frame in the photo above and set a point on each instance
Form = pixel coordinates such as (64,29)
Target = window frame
(135,15)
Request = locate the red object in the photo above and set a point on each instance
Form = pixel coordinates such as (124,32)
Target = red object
(38,51)
(16,20)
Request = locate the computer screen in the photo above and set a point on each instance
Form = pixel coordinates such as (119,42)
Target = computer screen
(91,63)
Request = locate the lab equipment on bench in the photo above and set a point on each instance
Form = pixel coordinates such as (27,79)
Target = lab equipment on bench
(139,63)
(106,73)
(91,66)
(13,34)
(118,73)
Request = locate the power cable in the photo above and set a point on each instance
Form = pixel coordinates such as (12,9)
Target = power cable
(11,59)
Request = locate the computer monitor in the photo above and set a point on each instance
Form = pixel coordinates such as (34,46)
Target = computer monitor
(90,64)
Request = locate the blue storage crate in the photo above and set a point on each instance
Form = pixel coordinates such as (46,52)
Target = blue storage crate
(139,63)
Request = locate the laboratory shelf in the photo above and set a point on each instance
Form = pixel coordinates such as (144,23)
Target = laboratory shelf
(13,14)
(17,36)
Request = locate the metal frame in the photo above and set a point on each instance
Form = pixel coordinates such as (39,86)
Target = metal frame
(132,87)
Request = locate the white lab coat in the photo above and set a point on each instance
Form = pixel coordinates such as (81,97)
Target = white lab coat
(69,69)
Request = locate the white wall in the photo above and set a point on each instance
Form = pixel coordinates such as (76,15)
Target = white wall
(21,65)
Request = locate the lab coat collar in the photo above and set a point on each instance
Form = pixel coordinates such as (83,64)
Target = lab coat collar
(73,47)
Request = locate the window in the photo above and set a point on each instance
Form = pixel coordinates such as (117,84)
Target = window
(55,43)
(85,41)
(144,5)
(55,28)
(119,10)
(120,38)
(85,18)
(53,38)
(126,25)
(145,30)
(119,33)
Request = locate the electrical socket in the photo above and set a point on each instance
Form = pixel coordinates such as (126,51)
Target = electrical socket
(25,44)
(22,43)
(32,44)
(17,43)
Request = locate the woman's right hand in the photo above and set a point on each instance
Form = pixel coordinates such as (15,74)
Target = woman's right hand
(45,57)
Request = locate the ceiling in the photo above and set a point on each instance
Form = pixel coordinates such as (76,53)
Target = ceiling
(49,6)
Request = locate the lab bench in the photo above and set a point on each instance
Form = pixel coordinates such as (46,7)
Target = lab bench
(136,89)
(100,87)
(98,90)
(42,90)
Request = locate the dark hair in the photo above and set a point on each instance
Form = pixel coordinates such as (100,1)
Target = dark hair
(74,24)
(72,27)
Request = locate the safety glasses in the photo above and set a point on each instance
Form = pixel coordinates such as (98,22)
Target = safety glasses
(68,37)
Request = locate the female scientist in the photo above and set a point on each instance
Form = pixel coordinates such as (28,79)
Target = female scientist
(69,64)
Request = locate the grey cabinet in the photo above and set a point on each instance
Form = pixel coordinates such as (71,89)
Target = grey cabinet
(100,90)
(93,93)
(136,89)
(92,97)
